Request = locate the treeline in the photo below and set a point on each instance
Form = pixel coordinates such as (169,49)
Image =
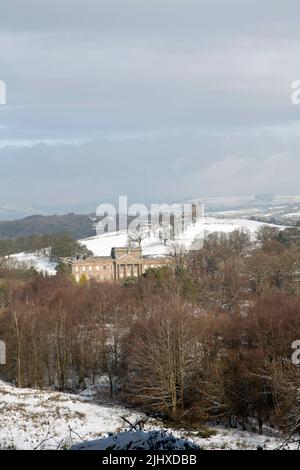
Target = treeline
(52,246)
(77,225)
(210,340)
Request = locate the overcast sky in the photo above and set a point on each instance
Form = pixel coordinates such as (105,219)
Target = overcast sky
(156,99)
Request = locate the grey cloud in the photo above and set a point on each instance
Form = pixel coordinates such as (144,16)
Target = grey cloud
(150,169)
(167,97)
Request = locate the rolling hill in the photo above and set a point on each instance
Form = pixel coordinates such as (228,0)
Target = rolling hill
(78,226)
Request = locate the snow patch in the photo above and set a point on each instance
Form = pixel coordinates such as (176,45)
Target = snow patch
(138,440)
(42,264)
(45,419)
(101,245)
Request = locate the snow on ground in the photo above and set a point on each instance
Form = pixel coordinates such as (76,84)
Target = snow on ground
(136,440)
(41,263)
(292,215)
(238,213)
(43,419)
(101,245)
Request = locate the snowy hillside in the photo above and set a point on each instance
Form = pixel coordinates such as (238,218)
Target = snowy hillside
(42,264)
(101,245)
(29,416)
(40,419)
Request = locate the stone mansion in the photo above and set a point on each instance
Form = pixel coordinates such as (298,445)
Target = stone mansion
(123,263)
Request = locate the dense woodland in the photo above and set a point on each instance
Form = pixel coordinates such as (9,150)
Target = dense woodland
(54,246)
(76,225)
(209,340)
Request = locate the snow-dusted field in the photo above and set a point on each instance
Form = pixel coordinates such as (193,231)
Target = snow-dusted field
(31,260)
(39,419)
(101,245)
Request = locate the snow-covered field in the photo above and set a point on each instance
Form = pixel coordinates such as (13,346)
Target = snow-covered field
(101,245)
(31,260)
(40,419)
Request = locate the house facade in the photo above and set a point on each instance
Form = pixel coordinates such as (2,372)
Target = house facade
(123,263)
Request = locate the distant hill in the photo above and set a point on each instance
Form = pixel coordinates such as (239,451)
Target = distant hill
(78,226)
